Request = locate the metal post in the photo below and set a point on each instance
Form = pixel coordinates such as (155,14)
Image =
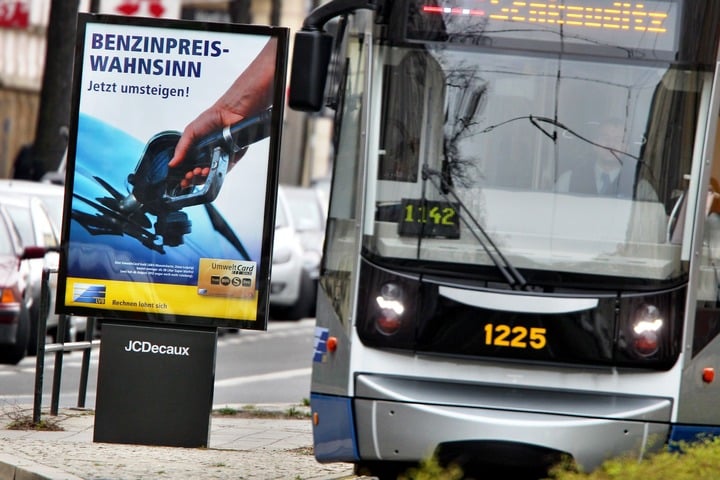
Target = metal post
(85,368)
(57,372)
(40,357)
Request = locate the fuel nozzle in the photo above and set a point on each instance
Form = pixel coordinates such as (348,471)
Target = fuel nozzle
(159,190)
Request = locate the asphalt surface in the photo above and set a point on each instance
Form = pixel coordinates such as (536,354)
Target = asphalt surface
(252,446)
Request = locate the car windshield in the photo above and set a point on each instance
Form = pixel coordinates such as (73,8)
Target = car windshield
(7,246)
(21,218)
(51,196)
(54,205)
(481,153)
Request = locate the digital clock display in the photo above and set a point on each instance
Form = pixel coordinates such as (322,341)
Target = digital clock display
(428,219)
(631,29)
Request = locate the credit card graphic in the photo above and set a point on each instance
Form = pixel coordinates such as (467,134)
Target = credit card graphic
(227,278)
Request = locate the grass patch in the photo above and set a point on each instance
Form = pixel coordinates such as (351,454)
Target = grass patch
(294,412)
(690,461)
(25,422)
(22,419)
(431,469)
(302,451)
(686,461)
(225,411)
(252,411)
(28,424)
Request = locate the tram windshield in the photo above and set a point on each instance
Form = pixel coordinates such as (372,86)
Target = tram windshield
(552,162)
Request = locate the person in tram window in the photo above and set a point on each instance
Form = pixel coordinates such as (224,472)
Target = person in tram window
(607,168)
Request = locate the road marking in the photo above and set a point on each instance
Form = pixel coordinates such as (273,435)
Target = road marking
(234,381)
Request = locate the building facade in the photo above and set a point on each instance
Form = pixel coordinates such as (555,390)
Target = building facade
(23,30)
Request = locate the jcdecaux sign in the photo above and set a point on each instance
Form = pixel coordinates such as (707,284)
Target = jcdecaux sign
(147,347)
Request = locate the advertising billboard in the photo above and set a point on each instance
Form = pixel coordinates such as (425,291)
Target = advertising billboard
(163,110)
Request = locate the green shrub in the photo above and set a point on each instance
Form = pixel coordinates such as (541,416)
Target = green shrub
(430,469)
(698,461)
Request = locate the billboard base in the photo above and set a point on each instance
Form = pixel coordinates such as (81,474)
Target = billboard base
(155,385)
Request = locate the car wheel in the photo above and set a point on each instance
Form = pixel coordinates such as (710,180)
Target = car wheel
(14,353)
(305,304)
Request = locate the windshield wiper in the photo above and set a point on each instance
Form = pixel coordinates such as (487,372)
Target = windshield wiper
(536,121)
(512,276)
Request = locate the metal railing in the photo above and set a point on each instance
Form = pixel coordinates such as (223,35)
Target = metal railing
(59,348)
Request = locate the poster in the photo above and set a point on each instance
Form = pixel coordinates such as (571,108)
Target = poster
(150,233)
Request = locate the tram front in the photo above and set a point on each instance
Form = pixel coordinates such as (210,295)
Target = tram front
(519,194)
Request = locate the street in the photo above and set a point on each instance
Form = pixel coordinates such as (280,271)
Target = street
(252,367)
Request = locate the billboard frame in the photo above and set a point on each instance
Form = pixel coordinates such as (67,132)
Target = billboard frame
(138,277)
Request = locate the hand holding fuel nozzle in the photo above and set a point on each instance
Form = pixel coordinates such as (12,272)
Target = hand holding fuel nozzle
(158,188)
(182,169)
(250,93)
(162,190)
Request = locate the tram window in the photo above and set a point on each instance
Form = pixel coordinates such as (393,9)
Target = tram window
(707,316)
(402,116)
(512,149)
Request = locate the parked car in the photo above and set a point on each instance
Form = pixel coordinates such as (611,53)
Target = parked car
(15,296)
(292,287)
(308,218)
(36,229)
(292,294)
(52,198)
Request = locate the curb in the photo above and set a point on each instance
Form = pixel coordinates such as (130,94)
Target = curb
(14,468)
(53,455)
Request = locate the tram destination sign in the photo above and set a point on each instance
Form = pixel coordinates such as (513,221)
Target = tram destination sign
(634,29)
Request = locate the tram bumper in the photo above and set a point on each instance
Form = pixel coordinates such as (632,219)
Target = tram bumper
(394,425)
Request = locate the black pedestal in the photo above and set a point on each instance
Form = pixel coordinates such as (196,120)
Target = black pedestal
(155,385)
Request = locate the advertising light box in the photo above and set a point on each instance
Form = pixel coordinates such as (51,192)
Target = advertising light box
(172,171)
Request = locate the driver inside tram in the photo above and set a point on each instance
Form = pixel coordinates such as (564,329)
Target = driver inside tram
(607,168)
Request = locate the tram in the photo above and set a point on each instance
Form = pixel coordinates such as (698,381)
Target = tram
(522,249)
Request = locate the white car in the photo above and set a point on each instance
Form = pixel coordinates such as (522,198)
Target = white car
(309,215)
(292,292)
(292,286)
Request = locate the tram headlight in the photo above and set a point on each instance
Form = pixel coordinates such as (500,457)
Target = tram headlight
(387,308)
(390,309)
(649,330)
(647,327)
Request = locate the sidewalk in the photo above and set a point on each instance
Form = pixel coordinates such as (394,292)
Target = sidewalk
(240,448)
